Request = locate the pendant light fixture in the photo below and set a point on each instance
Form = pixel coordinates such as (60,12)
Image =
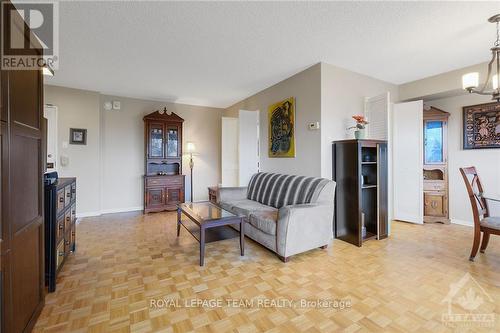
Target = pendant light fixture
(470,81)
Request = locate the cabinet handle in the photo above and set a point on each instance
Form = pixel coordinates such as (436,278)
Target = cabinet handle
(61,254)
(61,226)
(61,199)
(68,194)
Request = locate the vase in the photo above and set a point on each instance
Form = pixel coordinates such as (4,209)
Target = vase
(359,134)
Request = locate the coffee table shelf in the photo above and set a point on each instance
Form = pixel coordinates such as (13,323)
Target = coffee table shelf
(205,217)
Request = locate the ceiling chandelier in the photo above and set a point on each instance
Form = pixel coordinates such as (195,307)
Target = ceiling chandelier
(470,81)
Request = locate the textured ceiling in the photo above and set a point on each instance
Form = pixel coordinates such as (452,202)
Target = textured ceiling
(216,54)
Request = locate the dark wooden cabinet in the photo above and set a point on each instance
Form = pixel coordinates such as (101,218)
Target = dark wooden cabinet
(361,197)
(22,260)
(163,179)
(60,225)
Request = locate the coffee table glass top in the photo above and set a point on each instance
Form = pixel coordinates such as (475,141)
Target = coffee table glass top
(205,211)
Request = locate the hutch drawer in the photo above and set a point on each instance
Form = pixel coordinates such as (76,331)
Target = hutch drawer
(164,181)
(434,186)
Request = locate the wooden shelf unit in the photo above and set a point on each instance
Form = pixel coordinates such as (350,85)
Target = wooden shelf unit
(436,166)
(360,171)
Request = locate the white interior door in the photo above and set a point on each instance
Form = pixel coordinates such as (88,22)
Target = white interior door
(248,146)
(50,113)
(229,153)
(407,162)
(377,113)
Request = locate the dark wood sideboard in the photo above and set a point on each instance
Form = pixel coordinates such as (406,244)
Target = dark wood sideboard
(60,227)
(163,179)
(361,196)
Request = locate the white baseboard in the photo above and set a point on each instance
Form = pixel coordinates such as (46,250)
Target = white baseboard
(108,211)
(87,214)
(462,222)
(121,210)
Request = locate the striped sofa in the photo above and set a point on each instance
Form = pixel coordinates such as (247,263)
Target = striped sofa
(287,214)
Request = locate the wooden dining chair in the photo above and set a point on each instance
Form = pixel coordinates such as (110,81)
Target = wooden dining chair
(483,222)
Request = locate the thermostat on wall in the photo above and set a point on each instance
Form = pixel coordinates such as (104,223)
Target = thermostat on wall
(314,126)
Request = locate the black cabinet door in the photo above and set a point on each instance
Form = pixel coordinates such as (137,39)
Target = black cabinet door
(383,215)
(347,203)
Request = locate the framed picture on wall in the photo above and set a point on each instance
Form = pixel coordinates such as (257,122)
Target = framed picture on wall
(77,136)
(282,128)
(481,126)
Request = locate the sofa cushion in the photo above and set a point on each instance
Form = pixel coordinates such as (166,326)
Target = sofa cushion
(277,190)
(245,206)
(265,221)
(260,216)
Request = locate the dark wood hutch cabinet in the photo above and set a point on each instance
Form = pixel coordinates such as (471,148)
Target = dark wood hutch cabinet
(163,179)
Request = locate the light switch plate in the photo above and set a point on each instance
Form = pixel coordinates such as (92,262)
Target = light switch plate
(314,126)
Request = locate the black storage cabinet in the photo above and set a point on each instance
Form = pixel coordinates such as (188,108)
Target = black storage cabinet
(361,200)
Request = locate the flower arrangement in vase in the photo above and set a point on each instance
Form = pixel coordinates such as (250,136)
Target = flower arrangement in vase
(360,126)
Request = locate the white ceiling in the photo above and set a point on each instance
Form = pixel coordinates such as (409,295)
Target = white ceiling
(216,54)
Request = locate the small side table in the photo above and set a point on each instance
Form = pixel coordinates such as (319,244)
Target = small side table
(212,194)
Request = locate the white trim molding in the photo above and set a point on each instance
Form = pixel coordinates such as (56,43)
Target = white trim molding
(108,211)
(462,222)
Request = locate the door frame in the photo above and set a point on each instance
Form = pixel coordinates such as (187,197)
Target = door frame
(56,127)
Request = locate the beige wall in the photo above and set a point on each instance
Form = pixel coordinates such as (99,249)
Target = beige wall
(324,93)
(440,86)
(487,161)
(79,109)
(343,95)
(123,149)
(306,88)
(110,167)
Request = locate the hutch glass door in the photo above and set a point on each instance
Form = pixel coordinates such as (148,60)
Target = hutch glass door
(156,140)
(433,142)
(172,142)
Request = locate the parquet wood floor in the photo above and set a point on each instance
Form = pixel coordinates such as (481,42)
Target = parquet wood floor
(123,261)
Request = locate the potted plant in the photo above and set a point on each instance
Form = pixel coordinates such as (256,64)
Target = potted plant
(360,126)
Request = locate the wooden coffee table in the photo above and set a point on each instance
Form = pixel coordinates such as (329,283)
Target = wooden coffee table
(206,215)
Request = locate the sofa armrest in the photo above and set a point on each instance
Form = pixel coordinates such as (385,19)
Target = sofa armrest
(231,193)
(303,227)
